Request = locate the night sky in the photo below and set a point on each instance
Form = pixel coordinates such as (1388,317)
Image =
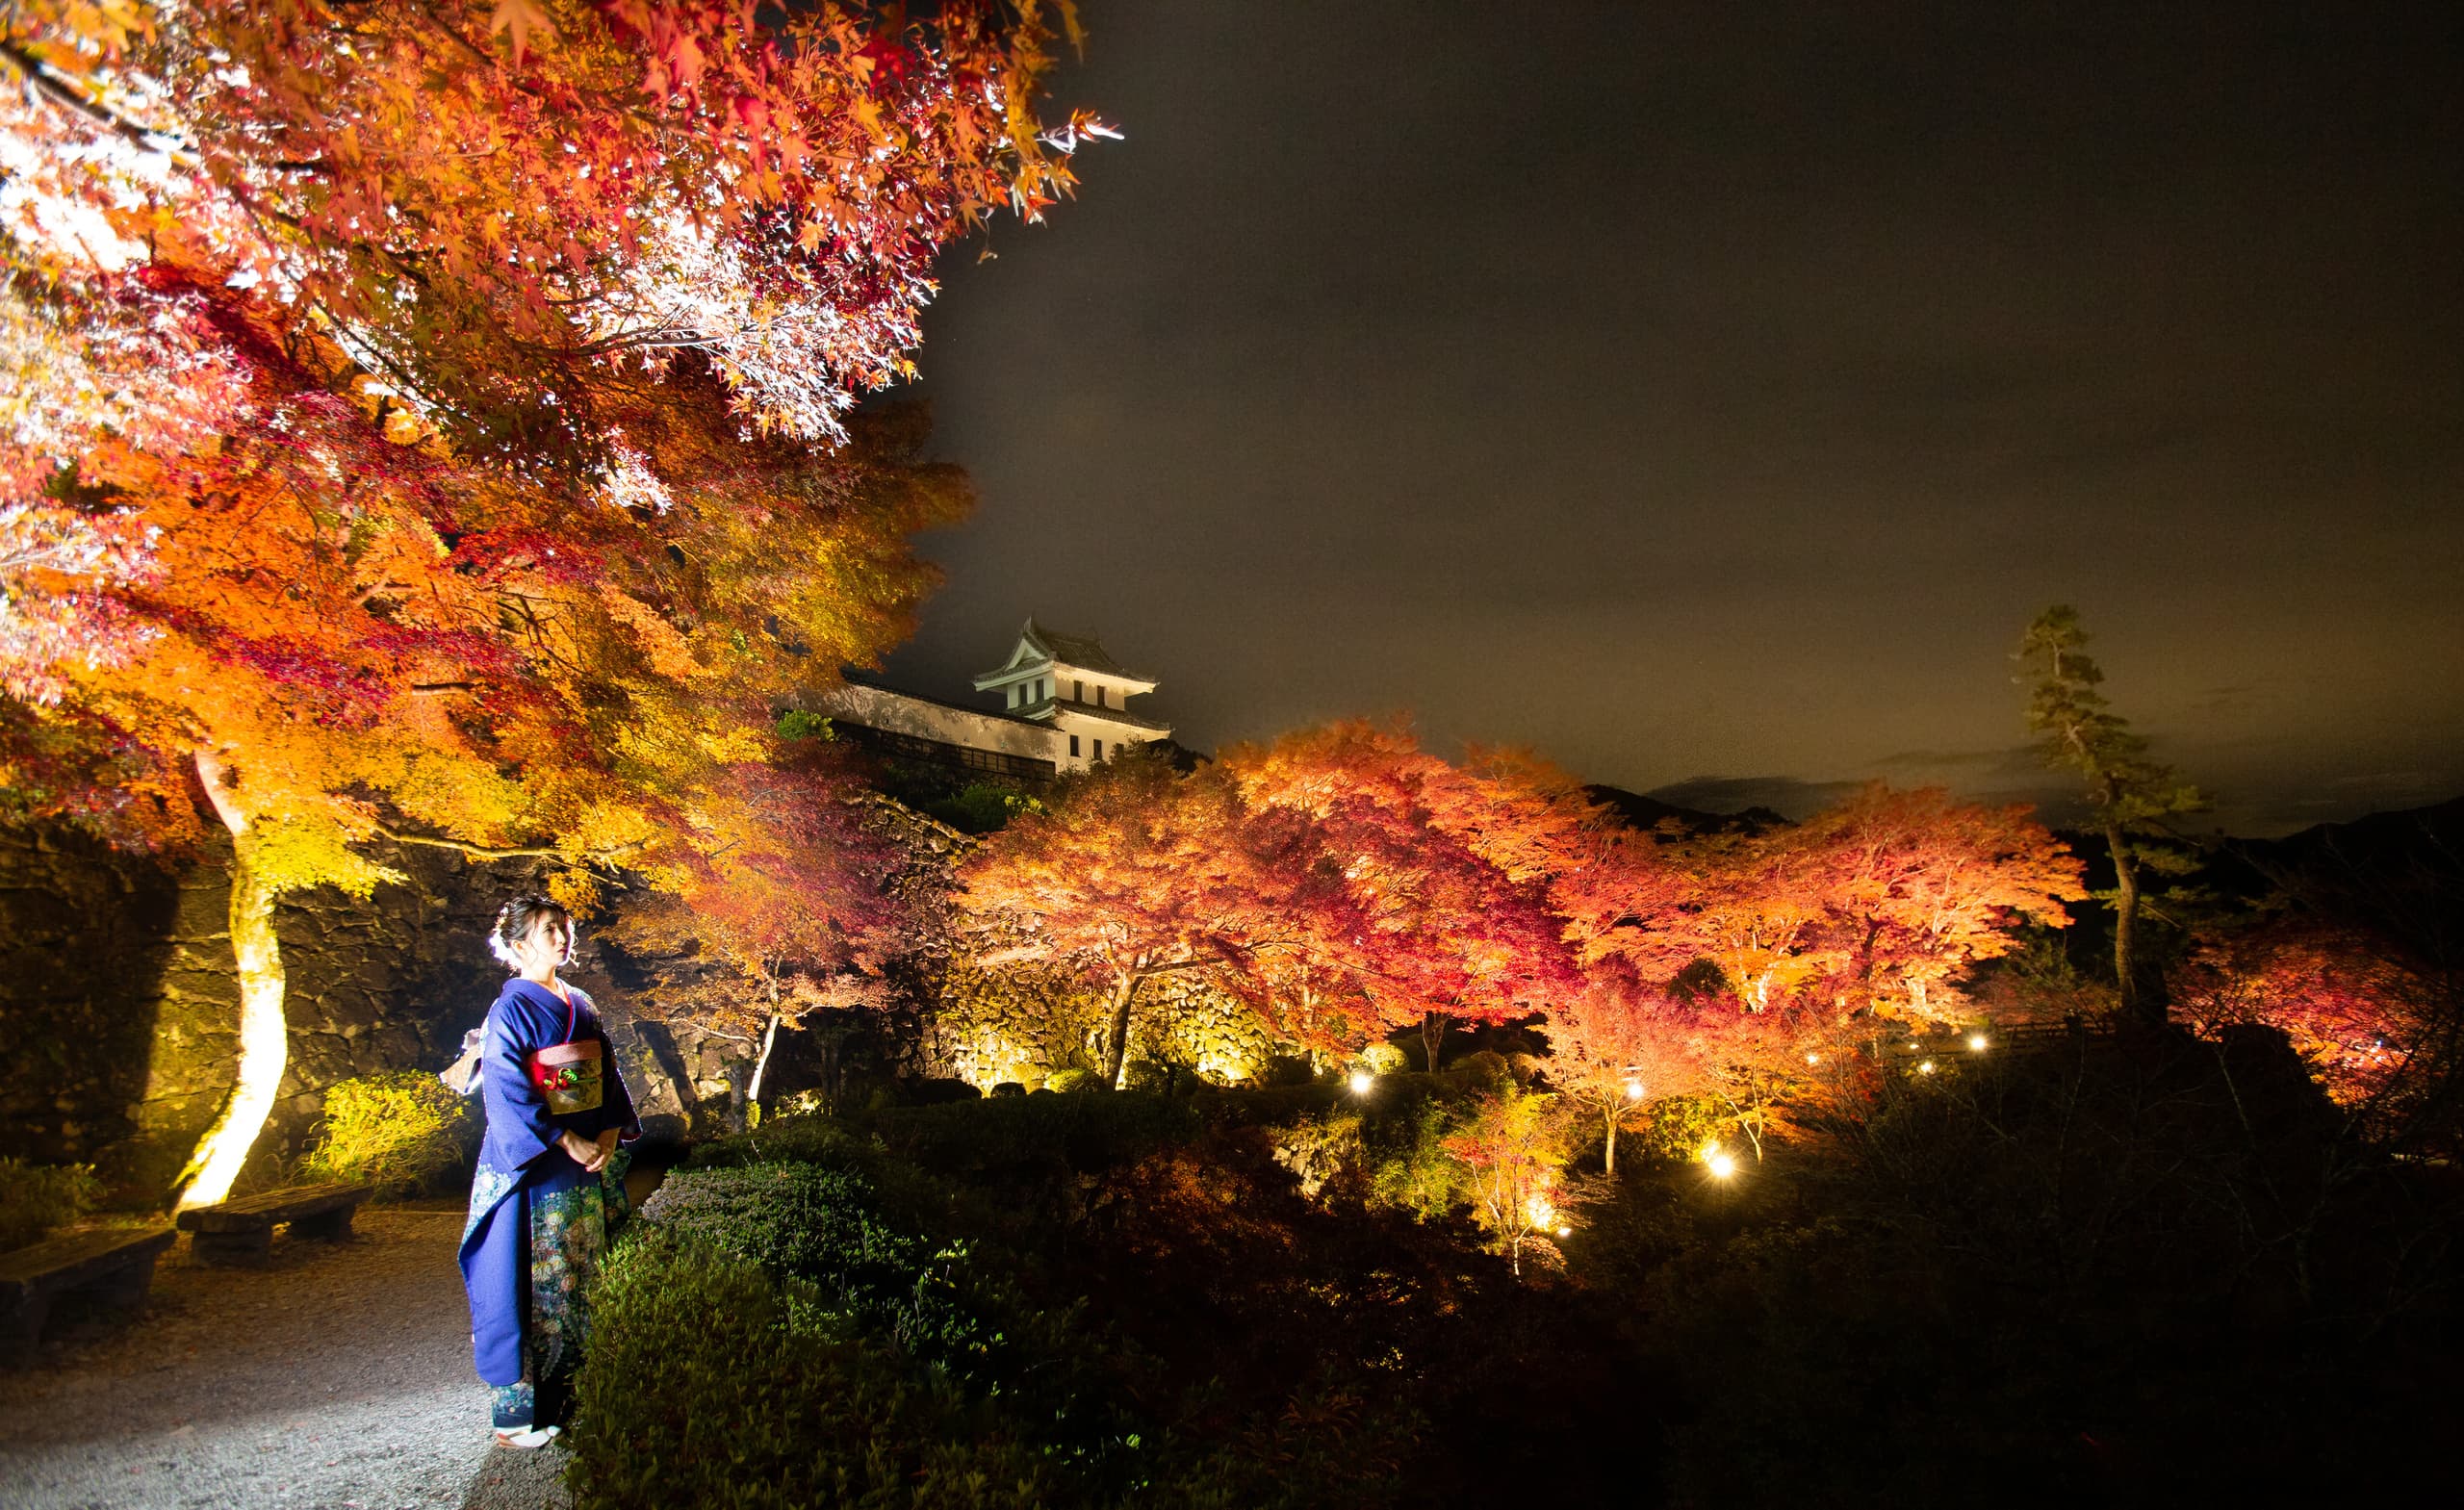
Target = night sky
(1706,394)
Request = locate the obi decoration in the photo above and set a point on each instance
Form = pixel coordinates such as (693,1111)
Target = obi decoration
(568,1076)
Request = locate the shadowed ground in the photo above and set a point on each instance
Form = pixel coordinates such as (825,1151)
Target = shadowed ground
(338,1376)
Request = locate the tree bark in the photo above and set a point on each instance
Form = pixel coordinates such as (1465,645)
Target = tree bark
(2125,922)
(264,1038)
(1615,1111)
(761,1066)
(1433,1037)
(1117,1042)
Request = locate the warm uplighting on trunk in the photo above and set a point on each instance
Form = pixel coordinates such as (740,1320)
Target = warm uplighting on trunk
(264,1044)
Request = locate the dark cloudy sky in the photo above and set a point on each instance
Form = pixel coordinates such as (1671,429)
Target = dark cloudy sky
(1708,394)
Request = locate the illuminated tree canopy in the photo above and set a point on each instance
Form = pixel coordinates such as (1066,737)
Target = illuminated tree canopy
(413,433)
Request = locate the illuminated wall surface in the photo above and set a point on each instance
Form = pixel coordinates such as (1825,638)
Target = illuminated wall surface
(118,1004)
(993,1026)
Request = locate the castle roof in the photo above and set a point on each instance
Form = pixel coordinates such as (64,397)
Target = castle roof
(1084,651)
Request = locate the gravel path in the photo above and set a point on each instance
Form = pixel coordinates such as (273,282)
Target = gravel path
(338,1376)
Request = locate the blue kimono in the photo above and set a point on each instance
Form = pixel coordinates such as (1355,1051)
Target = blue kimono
(538,1220)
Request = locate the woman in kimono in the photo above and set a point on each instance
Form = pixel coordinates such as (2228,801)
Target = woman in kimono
(550,1182)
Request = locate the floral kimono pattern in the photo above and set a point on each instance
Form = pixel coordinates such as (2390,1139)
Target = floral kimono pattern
(569,1235)
(539,1221)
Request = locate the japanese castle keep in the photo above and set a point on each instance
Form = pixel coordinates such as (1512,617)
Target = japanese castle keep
(1062,706)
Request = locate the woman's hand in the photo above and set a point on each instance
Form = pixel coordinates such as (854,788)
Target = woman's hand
(583,1151)
(608,1138)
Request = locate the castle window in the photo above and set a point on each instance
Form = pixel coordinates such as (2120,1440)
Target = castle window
(1073,746)
(1077,691)
(1100,694)
(1099,749)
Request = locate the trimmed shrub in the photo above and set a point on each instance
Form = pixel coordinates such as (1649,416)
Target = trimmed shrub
(711,1384)
(402,1127)
(37,1199)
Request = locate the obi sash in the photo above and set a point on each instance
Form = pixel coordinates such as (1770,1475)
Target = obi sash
(568,1075)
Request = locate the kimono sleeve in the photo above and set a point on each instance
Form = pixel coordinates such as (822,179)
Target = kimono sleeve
(519,1128)
(616,1108)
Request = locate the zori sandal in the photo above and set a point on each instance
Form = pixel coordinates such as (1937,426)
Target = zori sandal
(528,1437)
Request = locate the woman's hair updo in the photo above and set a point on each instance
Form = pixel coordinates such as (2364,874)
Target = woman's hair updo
(518,917)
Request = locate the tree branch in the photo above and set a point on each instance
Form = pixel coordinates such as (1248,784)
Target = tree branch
(487,852)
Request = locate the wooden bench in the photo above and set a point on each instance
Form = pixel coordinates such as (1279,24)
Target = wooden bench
(115,1264)
(242,1231)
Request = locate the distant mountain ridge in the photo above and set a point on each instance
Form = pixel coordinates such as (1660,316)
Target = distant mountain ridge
(1650,812)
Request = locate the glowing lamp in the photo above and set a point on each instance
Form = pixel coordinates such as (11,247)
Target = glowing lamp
(1722,1166)
(1565,1232)
(1925,1069)
(1813,1059)
(1633,1091)
(1361,1080)
(1976,1042)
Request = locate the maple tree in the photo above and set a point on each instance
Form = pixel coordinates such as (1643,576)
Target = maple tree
(1616,1045)
(1507,1147)
(1915,889)
(2131,795)
(2353,1012)
(497,213)
(345,640)
(794,911)
(1130,873)
(1443,911)
(410,433)
(1735,964)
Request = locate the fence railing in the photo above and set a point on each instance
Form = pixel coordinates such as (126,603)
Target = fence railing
(2017,1038)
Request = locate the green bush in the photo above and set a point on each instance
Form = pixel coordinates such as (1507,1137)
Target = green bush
(797,724)
(711,1383)
(1671,1130)
(402,1127)
(982,806)
(1075,1080)
(37,1199)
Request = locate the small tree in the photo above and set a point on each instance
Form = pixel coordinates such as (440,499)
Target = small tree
(2131,796)
(1130,873)
(1618,1045)
(1511,1154)
(790,912)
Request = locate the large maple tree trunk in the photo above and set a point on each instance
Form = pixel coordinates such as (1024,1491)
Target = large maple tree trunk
(265,1039)
(1433,1037)
(1615,1111)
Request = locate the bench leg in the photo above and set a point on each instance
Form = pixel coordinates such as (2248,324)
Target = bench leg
(333,1226)
(129,1287)
(22,1332)
(232,1247)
